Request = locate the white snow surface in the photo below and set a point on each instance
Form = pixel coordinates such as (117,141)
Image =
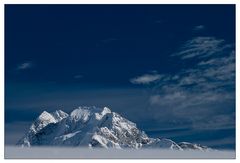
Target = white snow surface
(94,127)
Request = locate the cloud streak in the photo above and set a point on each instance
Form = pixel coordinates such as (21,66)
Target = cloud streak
(202,47)
(78,76)
(25,65)
(199,28)
(146,79)
(201,94)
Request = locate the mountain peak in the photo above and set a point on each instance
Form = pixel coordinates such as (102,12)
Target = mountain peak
(93,127)
(59,115)
(46,118)
(106,110)
(43,120)
(44,115)
(81,113)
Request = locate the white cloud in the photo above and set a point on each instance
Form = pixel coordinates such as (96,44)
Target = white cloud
(154,99)
(167,99)
(146,79)
(204,89)
(25,65)
(199,27)
(202,47)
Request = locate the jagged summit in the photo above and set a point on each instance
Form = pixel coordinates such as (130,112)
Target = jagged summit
(91,127)
(46,118)
(59,115)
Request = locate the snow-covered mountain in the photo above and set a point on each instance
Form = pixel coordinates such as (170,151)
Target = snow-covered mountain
(94,127)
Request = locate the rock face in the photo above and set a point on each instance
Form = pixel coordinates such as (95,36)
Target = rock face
(191,146)
(93,127)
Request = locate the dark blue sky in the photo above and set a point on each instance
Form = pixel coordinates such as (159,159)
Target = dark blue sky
(147,62)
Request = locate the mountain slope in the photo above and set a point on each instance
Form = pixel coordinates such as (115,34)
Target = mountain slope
(92,127)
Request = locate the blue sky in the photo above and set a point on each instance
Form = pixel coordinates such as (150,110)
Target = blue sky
(169,68)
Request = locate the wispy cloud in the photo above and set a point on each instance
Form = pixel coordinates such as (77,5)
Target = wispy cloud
(25,65)
(146,78)
(199,28)
(200,91)
(202,47)
(78,76)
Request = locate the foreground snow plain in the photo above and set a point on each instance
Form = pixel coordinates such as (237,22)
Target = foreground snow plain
(13,152)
